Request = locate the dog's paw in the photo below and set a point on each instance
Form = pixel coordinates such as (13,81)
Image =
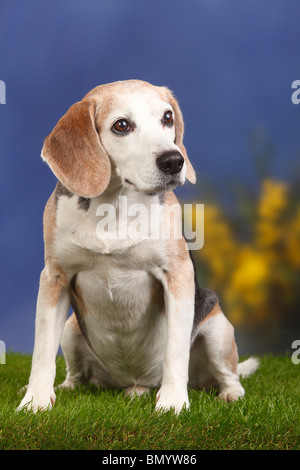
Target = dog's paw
(167,399)
(67,384)
(23,389)
(136,391)
(39,401)
(232,394)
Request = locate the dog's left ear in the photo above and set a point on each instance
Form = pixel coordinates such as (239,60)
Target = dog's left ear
(75,154)
(179,130)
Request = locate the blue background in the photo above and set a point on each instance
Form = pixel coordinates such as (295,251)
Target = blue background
(230,64)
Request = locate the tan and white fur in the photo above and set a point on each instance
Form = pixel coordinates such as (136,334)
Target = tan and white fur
(140,319)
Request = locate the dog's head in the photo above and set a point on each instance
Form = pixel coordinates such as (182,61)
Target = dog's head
(130,129)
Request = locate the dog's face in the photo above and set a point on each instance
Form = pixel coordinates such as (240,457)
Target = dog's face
(138,134)
(130,128)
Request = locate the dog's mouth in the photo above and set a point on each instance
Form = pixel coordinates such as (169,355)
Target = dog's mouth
(168,186)
(130,185)
(129,182)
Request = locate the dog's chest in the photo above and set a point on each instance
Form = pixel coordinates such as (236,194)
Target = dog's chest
(123,315)
(116,293)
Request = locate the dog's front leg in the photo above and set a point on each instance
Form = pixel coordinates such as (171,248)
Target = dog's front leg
(179,303)
(52,308)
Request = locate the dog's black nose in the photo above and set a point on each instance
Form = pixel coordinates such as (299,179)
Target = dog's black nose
(170,163)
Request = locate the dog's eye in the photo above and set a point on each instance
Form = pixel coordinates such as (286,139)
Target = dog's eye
(121,126)
(168,118)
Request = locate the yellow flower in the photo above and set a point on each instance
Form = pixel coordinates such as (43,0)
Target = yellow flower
(219,247)
(270,230)
(257,282)
(251,274)
(269,234)
(217,232)
(247,293)
(273,199)
(293,241)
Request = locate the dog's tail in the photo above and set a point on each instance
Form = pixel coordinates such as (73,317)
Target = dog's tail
(247,367)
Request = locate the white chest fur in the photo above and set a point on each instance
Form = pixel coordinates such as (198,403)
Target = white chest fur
(118,280)
(125,324)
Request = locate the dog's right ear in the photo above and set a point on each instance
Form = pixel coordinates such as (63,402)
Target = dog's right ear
(75,154)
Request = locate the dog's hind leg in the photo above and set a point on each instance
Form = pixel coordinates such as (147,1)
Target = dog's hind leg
(82,366)
(214,357)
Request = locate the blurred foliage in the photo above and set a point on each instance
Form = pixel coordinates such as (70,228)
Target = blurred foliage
(251,253)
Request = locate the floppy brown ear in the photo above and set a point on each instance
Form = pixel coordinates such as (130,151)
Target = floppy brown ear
(75,154)
(179,130)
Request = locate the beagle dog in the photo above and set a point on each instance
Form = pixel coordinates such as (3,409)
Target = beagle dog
(140,319)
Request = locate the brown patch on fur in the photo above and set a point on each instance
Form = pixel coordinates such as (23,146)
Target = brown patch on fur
(75,154)
(180,278)
(49,224)
(232,359)
(212,313)
(53,278)
(180,273)
(52,282)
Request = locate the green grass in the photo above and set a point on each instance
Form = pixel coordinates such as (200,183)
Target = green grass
(89,418)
